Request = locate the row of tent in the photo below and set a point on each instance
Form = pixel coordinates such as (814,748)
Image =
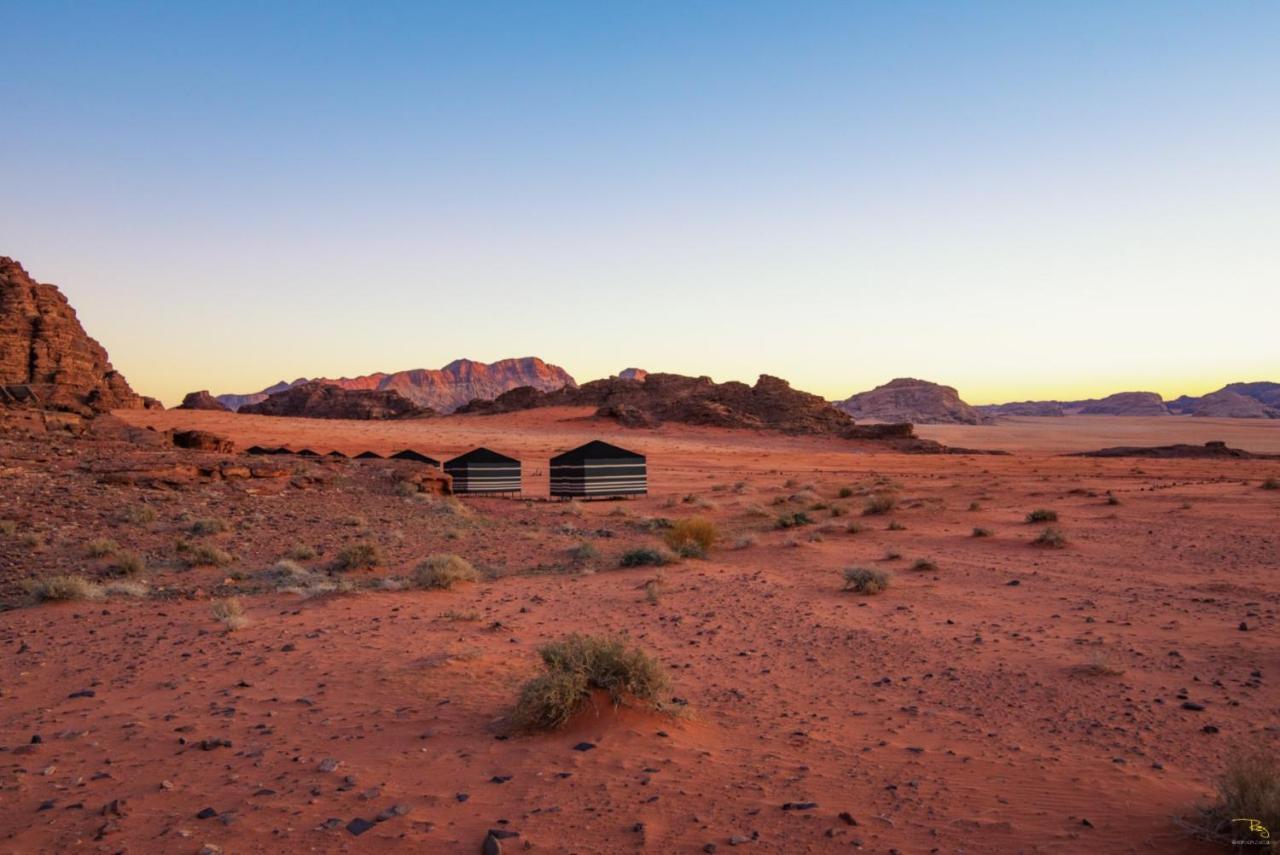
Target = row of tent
(596,470)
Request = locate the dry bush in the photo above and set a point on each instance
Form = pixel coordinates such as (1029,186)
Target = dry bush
(1042,515)
(879,503)
(209,525)
(652,589)
(894,525)
(745,542)
(444,571)
(229,613)
(793,520)
(126,589)
(854,528)
(130,564)
(1271,484)
(644,557)
(578,664)
(204,555)
(1100,664)
(692,538)
(924,564)
(740,487)
(358,556)
(138,515)
(865,580)
(354,521)
(1050,538)
(101,548)
(755,510)
(892,555)
(62,589)
(405,489)
(845,492)
(453,616)
(8,528)
(978,531)
(1249,788)
(584,552)
(301,552)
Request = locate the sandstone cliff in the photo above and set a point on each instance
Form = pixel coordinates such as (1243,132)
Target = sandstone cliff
(909,400)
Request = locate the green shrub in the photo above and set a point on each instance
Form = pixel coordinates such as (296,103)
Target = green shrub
(444,571)
(579,664)
(62,589)
(879,503)
(865,580)
(691,538)
(358,556)
(1041,515)
(644,557)
(1050,538)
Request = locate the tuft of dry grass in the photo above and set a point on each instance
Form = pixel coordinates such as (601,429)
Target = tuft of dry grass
(301,552)
(8,528)
(845,492)
(979,531)
(229,613)
(579,664)
(1042,515)
(1050,538)
(130,564)
(745,542)
(793,520)
(924,564)
(894,525)
(138,515)
(584,552)
(126,588)
(865,580)
(204,555)
(62,589)
(101,548)
(1100,664)
(692,537)
(1271,484)
(358,556)
(355,521)
(443,571)
(208,525)
(1248,789)
(453,616)
(879,503)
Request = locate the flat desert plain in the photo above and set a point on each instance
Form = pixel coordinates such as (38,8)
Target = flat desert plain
(998,697)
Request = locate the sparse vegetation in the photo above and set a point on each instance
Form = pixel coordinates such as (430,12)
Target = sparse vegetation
(644,557)
(138,515)
(130,564)
(584,552)
(924,564)
(1050,538)
(364,555)
(979,531)
(101,548)
(1271,484)
(745,542)
(203,555)
(894,525)
(229,613)
(845,492)
(793,520)
(1249,787)
(301,552)
(854,528)
(879,503)
(454,616)
(579,664)
(355,521)
(8,528)
(1042,515)
(443,571)
(1100,664)
(892,555)
(865,580)
(62,589)
(652,589)
(126,588)
(692,538)
(209,525)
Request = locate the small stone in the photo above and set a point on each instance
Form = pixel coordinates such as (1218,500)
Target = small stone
(584,746)
(1244,627)
(491,845)
(1013,583)
(499,779)
(359,826)
(1210,728)
(710,847)
(799,805)
(36,739)
(1193,706)
(1086,823)
(847,818)
(328,764)
(207,813)
(83,693)
(210,849)
(392,812)
(462,797)
(738,840)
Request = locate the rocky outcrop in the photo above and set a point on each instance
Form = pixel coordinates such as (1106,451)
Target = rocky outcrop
(443,389)
(322,401)
(1225,404)
(770,404)
(1126,404)
(1053,409)
(910,400)
(47,360)
(202,440)
(633,374)
(1215,449)
(201,400)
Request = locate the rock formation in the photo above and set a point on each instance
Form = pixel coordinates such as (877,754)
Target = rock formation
(1213,449)
(444,389)
(1023,408)
(201,400)
(1126,404)
(632,374)
(317,400)
(46,358)
(910,400)
(1225,404)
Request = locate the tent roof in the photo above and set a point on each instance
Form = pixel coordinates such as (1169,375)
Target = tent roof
(483,455)
(410,454)
(368,455)
(595,450)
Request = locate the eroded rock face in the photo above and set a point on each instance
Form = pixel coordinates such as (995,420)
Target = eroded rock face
(440,389)
(201,400)
(1225,404)
(322,401)
(909,400)
(1126,404)
(47,360)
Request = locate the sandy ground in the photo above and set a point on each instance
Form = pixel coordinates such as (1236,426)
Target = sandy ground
(1087,433)
(962,710)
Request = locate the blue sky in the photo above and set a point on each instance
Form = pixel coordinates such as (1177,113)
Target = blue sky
(1018,199)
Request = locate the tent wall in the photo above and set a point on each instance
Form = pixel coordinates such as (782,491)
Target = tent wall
(598,478)
(485,477)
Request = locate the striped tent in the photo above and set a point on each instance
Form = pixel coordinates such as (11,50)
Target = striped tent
(484,471)
(598,470)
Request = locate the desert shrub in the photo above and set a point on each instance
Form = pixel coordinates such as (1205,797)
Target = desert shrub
(62,589)
(979,531)
(1112,500)
(578,664)
(284,573)
(126,588)
(8,528)
(975,506)
(1042,515)
(358,556)
(879,503)
(894,525)
(1050,538)
(652,589)
(1100,664)
(845,492)
(892,555)
(130,564)
(354,521)
(755,510)
(444,571)
(138,515)
(1271,484)
(745,542)
(793,520)
(691,538)
(229,613)
(1249,787)
(924,564)
(584,552)
(854,528)
(209,525)
(865,580)
(644,557)
(301,552)
(740,487)
(100,548)
(204,555)
(405,489)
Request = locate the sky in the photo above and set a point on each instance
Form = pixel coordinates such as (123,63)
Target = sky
(1021,200)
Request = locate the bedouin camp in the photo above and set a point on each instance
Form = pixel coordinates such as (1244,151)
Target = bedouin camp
(484,471)
(598,470)
(418,456)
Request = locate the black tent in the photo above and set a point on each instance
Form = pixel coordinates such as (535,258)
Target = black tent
(368,455)
(484,471)
(409,454)
(336,454)
(306,452)
(598,470)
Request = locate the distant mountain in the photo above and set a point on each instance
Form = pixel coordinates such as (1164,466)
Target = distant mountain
(909,400)
(1126,404)
(317,400)
(1260,400)
(442,390)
